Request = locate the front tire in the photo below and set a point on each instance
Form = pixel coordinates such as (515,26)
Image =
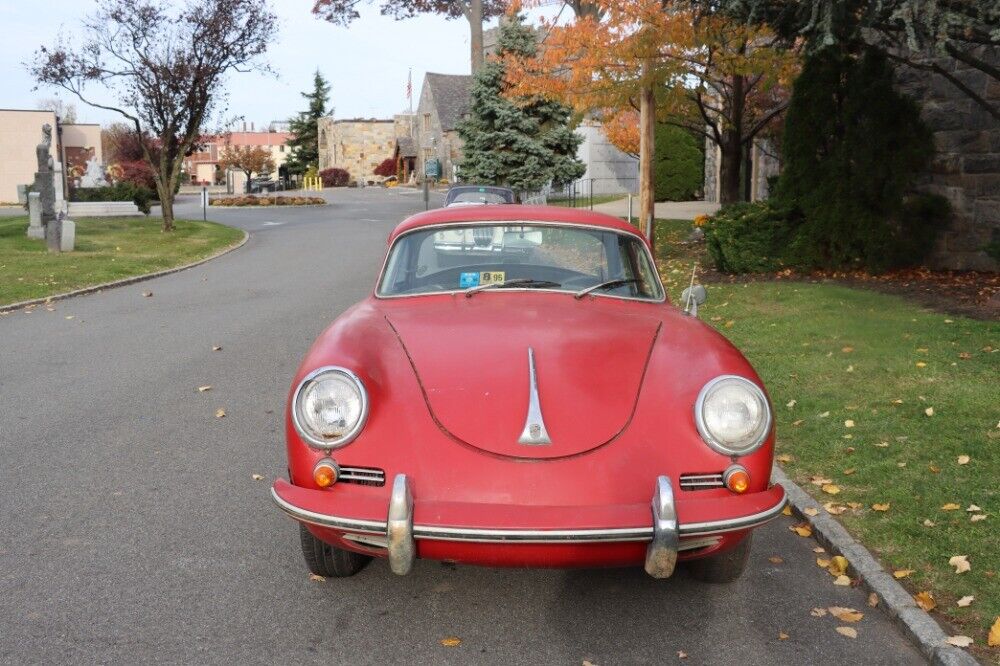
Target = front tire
(330,561)
(725,567)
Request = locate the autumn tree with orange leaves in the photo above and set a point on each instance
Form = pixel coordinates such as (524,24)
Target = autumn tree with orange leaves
(722,80)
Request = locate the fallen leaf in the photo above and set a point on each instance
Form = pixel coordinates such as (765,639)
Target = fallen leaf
(202,389)
(834,509)
(849,471)
(822,562)
(880,507)
(69,316)
(729,324)
(842,581)
(256,477)
(964,460)
(782,636)
(959,641)
(818,612)
(961,563)
(802,530)
(787,511)
(965,356)
(901,464)
(897,401)
(850,632)
(994,638)
(775,559)
(854,505)
(798,423)
(784,457)
(317,578)
(972,508)
(921,364)
(848,423)
(965,601)
(809,511)
(819,480)
(819,549)
(873,600)
(831,489)
(950,506)
(850,368)
(934,469)
(220,413)
(925,600)
(846,614)
(838,565)
(147,294)
(824,415)
(790,404)
(682,655)
(451,641)
(882,445)
(847,350)
(928,522)
(977,517)
(902,573)
(216,348)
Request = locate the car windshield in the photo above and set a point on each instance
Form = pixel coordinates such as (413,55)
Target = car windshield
(521,256)
(479,195)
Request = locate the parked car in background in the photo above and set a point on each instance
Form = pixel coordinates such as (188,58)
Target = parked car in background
(472,195)
(262,185)
(518,391)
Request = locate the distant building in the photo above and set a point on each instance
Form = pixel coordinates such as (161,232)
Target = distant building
(21,130)
(609,170)
(202,167)
(358,145)
(444,103)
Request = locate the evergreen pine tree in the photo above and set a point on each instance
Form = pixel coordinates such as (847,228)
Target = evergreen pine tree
(523,144)
(304,144)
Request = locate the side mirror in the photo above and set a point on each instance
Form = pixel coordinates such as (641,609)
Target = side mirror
(692,298)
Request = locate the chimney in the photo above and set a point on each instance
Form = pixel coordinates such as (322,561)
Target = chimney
(251,127)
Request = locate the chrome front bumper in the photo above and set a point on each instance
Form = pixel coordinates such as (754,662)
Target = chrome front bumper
(398,533)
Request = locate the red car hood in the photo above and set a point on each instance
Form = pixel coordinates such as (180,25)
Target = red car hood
(471,358)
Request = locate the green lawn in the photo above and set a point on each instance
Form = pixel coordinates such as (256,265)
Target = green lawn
(850,355)
(107,249)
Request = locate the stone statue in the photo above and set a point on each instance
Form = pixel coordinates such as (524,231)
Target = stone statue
(42,150)
(94,177)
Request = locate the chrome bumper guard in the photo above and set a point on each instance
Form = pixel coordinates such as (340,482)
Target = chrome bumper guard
(400,534)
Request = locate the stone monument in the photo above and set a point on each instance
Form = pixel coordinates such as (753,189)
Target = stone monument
(94,177)
(35,228)
(46,189)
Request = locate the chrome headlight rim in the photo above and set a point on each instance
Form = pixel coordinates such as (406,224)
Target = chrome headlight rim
(709,438)
(352,434)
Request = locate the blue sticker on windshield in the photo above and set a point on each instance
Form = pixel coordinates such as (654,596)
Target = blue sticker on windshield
(467,280)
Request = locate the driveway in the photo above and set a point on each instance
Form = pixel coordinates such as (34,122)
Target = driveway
(663,210)
(133,531)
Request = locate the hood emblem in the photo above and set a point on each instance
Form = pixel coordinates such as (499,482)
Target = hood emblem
(534,432)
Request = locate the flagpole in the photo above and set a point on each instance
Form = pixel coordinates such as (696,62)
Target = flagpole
(409,89)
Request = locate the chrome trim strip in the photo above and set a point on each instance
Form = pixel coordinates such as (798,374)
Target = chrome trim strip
(399,527)
(534,432)
(492,535)
(515,223)
(661,554)
(353,432)
(326,520)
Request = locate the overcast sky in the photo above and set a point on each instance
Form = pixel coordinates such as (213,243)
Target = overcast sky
(366,64)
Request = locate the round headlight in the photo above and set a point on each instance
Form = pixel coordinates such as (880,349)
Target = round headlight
(733,415)
(330,407)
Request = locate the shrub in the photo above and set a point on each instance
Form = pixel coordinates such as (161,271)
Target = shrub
(386,168)
(679,164)
(749,237)
(140,195)
(334,177)
(853,147)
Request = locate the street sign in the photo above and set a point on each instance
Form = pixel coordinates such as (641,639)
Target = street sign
(432,168)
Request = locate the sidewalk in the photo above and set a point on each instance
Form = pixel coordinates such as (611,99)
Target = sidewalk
(665,210)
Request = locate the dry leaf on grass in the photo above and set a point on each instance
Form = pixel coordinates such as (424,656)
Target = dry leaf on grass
(928,522)
(848,615)
(451,641)
(798,423)
(880,507)
(921,364)
(950,506)
(819,480)
(965,601)
(972,508)
(848,423)
(961,563)
(784,457)
(803,529)
(929,411)
(850,632)
(899,574)
(831,489)
(834,509)
(848,472)
(959,641)
(790,404)
(964,460)
(824,415)
(994,638)
(809,511)
(925,600)
(976,518)
(842,581)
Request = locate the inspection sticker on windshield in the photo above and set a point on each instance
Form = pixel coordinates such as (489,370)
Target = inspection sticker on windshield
(466,280)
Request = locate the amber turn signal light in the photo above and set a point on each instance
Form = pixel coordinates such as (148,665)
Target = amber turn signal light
(326,473)
(737,479)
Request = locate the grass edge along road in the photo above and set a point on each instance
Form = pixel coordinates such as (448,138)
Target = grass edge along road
(886,412)
(107,249)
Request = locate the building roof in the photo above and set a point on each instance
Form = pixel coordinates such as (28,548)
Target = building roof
(512,213)
(450,93)
(406,146)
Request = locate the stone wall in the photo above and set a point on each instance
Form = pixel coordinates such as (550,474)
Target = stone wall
(966,169)
(20,132)
(358,145)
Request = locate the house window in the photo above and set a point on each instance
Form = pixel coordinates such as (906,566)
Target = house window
(322,139)
(428,154)
(281,148)
(427,122)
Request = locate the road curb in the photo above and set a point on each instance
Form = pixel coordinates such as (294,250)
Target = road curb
(126,281)
(916,624)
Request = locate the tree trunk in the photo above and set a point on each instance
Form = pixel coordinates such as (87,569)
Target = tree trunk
(731,157)
(166,206)
(647,134)
(475,17)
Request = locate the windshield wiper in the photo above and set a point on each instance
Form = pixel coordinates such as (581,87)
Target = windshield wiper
(520,282)
(605,285)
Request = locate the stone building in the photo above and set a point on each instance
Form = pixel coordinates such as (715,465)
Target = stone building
(966,168)
(358,145)
(762,164)
(444,102)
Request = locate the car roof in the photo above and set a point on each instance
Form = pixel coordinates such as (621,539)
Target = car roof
(512,213)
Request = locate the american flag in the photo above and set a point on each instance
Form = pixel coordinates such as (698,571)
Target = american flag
(409,86)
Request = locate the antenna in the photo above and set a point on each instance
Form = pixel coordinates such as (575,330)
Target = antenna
(690,291)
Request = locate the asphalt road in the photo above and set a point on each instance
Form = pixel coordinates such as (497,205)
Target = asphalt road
(131,529)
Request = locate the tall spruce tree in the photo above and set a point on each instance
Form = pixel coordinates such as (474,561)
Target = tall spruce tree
(522,143)
(304,144)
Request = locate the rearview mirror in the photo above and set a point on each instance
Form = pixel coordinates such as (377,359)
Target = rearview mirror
(695,294)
